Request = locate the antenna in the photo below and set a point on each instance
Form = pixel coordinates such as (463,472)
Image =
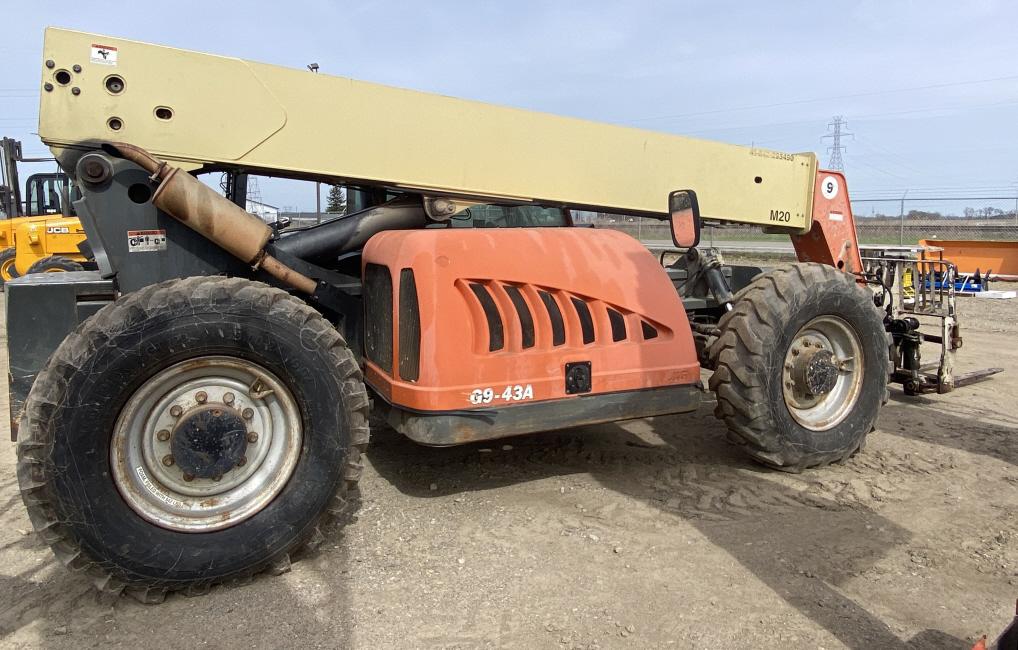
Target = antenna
(835,127)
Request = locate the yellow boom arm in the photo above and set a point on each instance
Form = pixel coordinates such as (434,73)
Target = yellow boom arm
(199,109)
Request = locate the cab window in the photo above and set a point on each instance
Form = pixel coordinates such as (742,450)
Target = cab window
(508,216)
(43,192)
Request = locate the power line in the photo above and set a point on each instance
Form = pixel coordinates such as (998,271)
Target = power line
(947,188)
(821,99)
(892,157)
(882,171)
(930,199)
(856,118)
(933,194)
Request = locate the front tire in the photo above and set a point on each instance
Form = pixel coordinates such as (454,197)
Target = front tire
(146,448)
(55,264)
(800,367)
(8,270)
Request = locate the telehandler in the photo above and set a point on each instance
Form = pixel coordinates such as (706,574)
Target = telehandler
(202,406)
(40,220)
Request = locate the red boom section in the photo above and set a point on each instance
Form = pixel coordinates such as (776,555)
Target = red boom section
(832,239)
(452,313)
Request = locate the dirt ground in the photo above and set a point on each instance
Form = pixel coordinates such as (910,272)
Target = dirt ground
(648,534)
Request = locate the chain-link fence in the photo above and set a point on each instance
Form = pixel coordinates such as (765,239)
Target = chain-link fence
(907,220)
(901,220)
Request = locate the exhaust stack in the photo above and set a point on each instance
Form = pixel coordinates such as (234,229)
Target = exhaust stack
(218,219)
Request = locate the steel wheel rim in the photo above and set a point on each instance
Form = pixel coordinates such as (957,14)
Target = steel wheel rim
(820,336)
(158,491)
(5,270)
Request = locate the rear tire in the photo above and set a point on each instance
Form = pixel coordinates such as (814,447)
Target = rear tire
(55,264)
(800,367)
(8,271)
(78,475)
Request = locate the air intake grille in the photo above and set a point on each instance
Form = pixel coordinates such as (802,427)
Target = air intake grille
(586,322)
(409,327)
(618,322)
(543,323)
(496,337)
(649,331)
(378,316)
(523,312)
(558,327)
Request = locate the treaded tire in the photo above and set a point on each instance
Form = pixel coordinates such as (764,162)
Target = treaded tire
(64,444)
(55,263)
(749,354)
(7,269)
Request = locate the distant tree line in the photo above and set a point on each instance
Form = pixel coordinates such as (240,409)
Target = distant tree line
(967,213)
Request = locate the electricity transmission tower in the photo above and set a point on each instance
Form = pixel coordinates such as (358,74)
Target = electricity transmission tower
(835,127)
(254,193)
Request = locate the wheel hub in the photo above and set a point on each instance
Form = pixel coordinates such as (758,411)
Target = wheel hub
(815,372)
(209,441)
(823,371)
(206,443)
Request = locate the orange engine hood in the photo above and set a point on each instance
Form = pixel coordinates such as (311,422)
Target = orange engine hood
(461,319)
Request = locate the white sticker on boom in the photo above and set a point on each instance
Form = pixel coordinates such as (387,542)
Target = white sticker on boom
(103,54)
(144,241)
(836,216)
(829,187)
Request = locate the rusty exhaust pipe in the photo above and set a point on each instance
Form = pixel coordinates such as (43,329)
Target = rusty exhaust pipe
(218,219)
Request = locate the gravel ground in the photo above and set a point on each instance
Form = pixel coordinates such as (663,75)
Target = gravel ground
(647,534)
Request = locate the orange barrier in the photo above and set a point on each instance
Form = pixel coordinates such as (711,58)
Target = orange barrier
(968,254)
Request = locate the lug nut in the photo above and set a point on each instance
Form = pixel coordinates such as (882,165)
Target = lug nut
(217,477)
(252,436)
(201,397)
(163,435)
(175,411)
(242,461)
(228,398)
(788,366)
(247,413)
(188,477)
(789,385)
(795,352)
(168,460)
(216,412)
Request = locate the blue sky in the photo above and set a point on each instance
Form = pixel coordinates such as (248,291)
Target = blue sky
(929,88)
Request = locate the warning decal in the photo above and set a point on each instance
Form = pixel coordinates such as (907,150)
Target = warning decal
(143,241)
(103,54)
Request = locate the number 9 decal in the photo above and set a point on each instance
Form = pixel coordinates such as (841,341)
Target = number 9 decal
(829,187)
